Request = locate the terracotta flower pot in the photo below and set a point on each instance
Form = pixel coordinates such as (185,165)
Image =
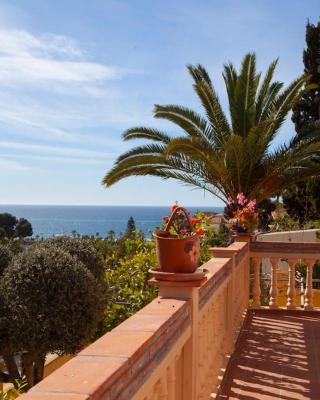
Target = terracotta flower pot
(177,254)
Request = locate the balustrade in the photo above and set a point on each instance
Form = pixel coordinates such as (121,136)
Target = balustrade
(177,346)
(292,254)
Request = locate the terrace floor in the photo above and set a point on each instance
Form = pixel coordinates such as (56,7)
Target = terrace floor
(277,356)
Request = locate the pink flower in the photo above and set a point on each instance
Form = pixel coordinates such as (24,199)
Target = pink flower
(241,199)
(252,205)
(183,232)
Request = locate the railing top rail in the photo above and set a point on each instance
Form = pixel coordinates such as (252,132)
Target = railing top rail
(218,270)
(285,248)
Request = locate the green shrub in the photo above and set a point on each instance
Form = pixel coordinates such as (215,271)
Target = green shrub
(81,248)
(284,223)
(51,303)
(5,257)
(15,392)
(128,289)
(212,238)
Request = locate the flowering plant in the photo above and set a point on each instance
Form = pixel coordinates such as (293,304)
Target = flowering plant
(245,214)
(180,226)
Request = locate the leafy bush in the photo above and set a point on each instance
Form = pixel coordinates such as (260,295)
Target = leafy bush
(81,248)
(15,392)
(284,223)
(113,249)
(312,224)
(212,238)
(128,289)
(51,303)
(5,257)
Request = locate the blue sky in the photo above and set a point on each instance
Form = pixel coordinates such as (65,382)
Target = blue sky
(75,74)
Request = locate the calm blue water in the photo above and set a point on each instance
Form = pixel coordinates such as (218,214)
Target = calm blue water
(88,220)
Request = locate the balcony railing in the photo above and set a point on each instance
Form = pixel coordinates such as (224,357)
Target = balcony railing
(178,346)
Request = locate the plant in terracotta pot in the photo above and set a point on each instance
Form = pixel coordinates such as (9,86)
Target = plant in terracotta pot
(177,242)
(245,216)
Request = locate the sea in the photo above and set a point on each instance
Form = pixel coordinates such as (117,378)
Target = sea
(91,220)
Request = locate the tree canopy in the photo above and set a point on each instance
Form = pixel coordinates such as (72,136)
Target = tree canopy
(302,200)
(12,227)
(49,303)
(306,113)
(225,156)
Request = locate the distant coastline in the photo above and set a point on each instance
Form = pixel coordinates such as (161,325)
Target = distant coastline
(50,220)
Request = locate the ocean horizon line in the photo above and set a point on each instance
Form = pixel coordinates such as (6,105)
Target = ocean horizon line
(53,219)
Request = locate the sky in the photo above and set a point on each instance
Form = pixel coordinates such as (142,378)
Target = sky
(75,74)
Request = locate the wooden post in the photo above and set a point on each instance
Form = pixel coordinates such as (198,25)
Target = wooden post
(291,292)
(273,303)
(256,290)
(308,294)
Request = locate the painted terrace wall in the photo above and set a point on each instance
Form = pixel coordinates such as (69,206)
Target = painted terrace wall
(173,348)
(177,347)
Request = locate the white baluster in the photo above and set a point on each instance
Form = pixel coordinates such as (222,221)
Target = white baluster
(308,294)
(256,291)
(273,303)
(291,292)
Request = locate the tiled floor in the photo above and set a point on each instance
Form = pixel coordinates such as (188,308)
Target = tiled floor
(277,357)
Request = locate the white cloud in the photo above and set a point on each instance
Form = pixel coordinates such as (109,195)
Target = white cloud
(27,59)
(27,119)
(51,90)
(57,160)
(9,165)
(55,150)
(21,43)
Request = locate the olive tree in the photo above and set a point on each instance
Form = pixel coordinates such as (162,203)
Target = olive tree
(81,248)
(49,303)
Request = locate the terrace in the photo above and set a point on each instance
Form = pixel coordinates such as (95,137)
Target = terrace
(207,339)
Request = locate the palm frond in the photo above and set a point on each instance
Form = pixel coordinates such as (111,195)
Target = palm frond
(268,103)
(142,150)
(188,120)
(142,132)
(243,116)
(287,99)
(264,89)
(210,102)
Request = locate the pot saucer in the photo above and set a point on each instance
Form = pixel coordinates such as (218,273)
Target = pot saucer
(197,275)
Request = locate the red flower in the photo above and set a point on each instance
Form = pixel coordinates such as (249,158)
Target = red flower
(195,221)
(201,231)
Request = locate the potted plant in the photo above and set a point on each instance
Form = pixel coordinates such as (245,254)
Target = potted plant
(177,243)
(245,216)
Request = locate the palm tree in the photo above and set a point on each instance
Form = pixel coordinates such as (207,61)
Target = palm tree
(222,156)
